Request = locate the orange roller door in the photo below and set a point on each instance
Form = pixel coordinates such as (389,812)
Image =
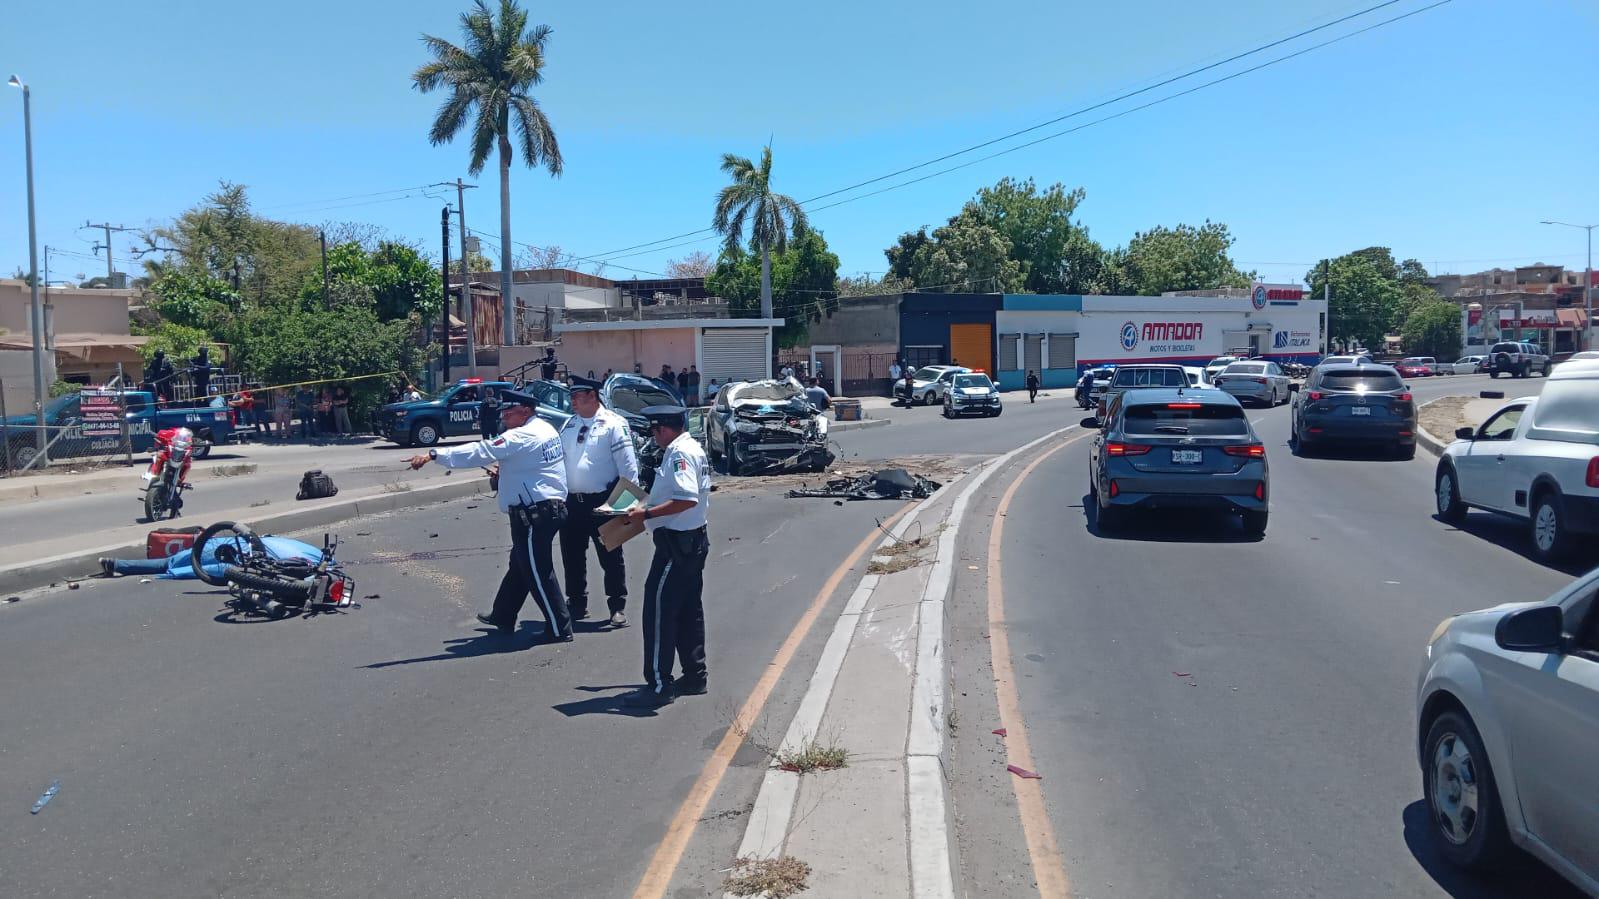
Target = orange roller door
(972,346)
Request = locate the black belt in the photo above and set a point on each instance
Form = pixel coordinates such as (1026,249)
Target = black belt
(698,530)
(590,497)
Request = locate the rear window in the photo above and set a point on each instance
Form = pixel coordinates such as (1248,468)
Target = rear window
(1360,380)
(1568,406)
(1150,377)
(1506,348)
(1245,368)
(1197,419)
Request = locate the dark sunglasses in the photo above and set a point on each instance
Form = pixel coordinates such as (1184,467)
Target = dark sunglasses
(582,433)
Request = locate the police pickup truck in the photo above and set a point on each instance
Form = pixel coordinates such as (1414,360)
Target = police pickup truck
(455,412)
(64,424)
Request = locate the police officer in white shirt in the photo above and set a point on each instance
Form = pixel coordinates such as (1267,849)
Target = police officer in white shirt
(532,487)
(599,449)
(676,514)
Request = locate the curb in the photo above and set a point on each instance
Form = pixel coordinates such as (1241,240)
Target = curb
(834,426)
(85,563)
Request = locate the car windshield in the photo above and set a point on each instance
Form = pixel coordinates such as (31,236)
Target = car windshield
(1222,360)
(635,397)
(1360,380)
(1150,377)
(1569,406)
(929,373)
(1194,419)
(55,406)
(1245,368)
(973,381)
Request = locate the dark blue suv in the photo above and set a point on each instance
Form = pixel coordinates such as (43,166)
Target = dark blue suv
(454,412)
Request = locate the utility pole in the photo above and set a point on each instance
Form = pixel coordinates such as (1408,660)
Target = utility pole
(110,270)
(444,358)
(1326,296)
(1587,284)
(466,281)
(327,298)
(42,442)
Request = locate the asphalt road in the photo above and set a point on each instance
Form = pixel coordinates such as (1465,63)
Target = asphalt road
(1215,716)
(397,749)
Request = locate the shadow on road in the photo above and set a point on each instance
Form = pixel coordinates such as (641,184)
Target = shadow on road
(1512,535)
(604,705)
(1349,452)
(1168,526)
(1523,876)
(486,643)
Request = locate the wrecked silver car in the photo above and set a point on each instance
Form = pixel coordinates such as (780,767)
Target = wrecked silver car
(766,426)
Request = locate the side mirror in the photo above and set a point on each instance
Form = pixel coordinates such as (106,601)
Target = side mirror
(1536,629)
(1089,422)
(1465,433)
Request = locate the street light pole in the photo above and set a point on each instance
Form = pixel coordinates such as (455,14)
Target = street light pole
(33,277)
(1587,283)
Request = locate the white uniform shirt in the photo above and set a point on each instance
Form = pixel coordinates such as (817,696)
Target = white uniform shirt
(605,454)
(685,473)
(531,464)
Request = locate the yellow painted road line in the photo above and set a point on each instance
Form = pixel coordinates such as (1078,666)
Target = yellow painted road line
(658,876)
(1049,870)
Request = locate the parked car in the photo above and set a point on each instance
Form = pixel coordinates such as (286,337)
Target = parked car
(1356,359)
(1466,365)
(1260,381)
(1130,377)
(1507,715)
(454,412)
(1214,366)
(972,394)
(1416,367)
(1362,403)
(929,384)
(1164,448)
(1518,360)
(63,420)
(762,426)
(1196,376)
(1091,386)
(1535,459)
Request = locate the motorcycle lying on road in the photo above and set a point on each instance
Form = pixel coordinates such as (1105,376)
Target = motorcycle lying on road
(272,587)
(167,476)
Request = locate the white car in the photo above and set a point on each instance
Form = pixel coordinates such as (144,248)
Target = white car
(1465,365)
(1507,713)
(1356,359)
(1214,366)
(972,393)
(1196,376)
(1535,459)
(1258,379)
(928,384)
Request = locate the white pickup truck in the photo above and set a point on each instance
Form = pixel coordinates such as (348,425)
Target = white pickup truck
(1535,459)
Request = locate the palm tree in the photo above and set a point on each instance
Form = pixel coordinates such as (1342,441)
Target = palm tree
(491,76)
(772,217)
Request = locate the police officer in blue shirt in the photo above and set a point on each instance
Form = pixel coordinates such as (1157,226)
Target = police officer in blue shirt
(676,514)
(532,491)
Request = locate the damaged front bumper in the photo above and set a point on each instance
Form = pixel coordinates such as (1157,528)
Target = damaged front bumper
(760,453)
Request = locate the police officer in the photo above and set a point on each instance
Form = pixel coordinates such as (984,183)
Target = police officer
(599,449)
(532,488)
(676,514)
(489,413)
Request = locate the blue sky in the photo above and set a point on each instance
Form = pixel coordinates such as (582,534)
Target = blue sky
(1447,136)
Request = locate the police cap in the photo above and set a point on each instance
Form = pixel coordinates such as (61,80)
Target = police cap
(518,398)
(671,416)
(577,386)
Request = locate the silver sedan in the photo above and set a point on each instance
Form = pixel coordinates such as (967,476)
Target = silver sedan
(1259,380)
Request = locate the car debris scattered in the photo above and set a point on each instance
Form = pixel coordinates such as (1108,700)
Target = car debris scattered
(885,483)
(49,794)
(761,427)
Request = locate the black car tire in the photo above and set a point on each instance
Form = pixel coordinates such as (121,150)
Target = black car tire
(1547,368)
(1255,522)
(995,413)
(1487,844)
(1107,518)
(1493,373)
(1450,508)
(425,433)
(734,463)
(1560,543)
(1404,451)
(929,398)
(202,445)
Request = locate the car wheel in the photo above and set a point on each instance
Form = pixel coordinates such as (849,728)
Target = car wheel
(1551,539)
(1108,518)
(1547,368)
(1447,495)
(929,398)
(1462,799)
(995,413)
(425,434)
(1255,523)
(1404,451)
(1493,373)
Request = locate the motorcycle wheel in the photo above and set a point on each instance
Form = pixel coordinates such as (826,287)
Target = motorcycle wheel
(244,539)
(155,502)
(292,593)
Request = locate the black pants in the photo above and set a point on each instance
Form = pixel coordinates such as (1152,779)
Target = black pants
(533,570)
(582,528)
(674,617)
(489,423)
(1032,394)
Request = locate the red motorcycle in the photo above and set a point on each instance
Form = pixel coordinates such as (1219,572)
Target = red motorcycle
(168,474)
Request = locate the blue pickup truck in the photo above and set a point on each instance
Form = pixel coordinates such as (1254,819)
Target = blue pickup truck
(210,425)
(454,412)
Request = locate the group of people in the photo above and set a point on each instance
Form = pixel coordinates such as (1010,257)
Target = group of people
(319,411)
(554,484)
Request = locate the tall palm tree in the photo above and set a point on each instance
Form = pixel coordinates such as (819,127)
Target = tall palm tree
(772,217)
(490,77)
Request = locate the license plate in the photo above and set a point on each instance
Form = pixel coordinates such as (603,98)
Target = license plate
(1187,457)
(1359,410)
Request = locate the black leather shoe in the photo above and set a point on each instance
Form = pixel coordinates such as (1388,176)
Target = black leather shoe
(565,639)
(579,614)
(645,698)
(685,687)
(488,620)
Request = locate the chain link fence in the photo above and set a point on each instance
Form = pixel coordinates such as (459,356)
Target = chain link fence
(88,429)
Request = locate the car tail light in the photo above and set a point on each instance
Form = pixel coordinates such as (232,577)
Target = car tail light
(1126,449)
(1403,397)
(1316,395)
(1593,472)
(1247,450)
(1184,405)
(1260,380)
(1260,490)
(1114,489)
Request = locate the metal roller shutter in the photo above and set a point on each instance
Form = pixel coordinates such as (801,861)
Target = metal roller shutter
(1033,352)
(733,354)
(1062,351)
(1007,352)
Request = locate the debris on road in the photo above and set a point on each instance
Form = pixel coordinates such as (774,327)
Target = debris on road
(1024,773)
(49,794)
(774,877)
(1000,732)
(1179,674)
(885,483)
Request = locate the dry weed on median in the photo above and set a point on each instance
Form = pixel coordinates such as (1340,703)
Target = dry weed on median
(776,877)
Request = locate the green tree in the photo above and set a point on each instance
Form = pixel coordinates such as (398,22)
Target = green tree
(193,299)
(772,217)
(177,341)
(1180,258)
(967,255)
(1433,329)
(493,76)
(902,255)
(220,238)
(804,280)
(1055,253)
(1364,302)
